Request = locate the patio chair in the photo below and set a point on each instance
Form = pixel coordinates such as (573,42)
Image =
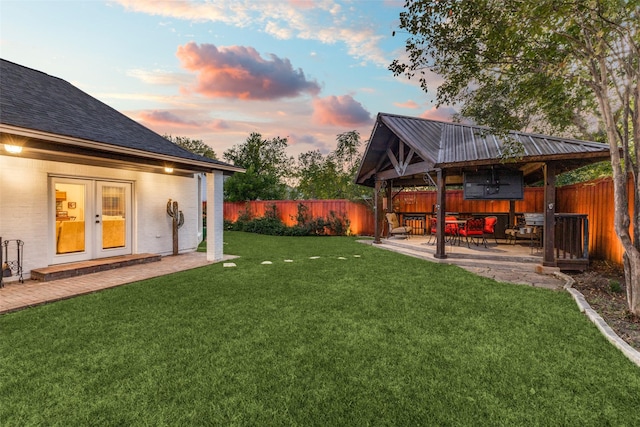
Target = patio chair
(433,229)
(473,229)
(451,229)
(395,227)
(489,229)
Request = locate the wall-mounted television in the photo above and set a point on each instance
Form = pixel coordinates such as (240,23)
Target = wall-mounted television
(494,184)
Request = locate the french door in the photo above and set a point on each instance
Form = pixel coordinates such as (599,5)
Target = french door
(90,219)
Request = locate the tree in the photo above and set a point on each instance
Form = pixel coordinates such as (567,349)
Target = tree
(315,176)
(554,64)
(585,173)
(331,176)
(194,145)
(267,166)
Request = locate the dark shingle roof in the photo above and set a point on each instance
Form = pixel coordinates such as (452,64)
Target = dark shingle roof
(34,100)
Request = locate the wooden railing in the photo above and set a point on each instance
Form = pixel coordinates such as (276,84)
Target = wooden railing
(595,198)
(572,241)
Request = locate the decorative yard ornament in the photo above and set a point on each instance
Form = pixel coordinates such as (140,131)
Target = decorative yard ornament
(178,220)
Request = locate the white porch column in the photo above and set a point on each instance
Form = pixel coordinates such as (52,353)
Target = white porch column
(215,214)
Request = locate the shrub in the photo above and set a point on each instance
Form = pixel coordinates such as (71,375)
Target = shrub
(272,212)
(303,216)
(244,218)
(270,223)
(615,287)
(266,225)
(338,225)
(305,224)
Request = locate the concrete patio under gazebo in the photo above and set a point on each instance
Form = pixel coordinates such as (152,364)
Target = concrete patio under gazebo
(409,151)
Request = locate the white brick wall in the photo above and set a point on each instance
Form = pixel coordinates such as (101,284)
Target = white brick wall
(25,211)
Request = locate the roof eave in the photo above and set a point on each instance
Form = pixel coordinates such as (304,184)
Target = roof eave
(195,165)
(593,156)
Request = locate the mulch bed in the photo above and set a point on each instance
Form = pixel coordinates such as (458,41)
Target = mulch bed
(604,289)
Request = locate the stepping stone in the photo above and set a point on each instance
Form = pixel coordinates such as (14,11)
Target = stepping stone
(288,260)
(356,256)
(341,257)
(229,264)
(266,262)
(314,257)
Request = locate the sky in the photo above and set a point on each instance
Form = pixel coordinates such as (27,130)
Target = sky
(218,70)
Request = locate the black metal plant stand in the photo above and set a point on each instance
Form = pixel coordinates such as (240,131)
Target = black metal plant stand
(11,266)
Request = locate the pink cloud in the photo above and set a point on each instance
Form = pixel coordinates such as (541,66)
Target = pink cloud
(443,114)
(240,72)
(218,124)
(302,4)
(408,104)
(339,111)
(303,142)
(163,118)
(167,119)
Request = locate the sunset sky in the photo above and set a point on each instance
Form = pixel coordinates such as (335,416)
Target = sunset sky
(219,70)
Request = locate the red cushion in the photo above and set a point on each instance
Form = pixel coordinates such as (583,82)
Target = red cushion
(490,225)
(473,227)
(450,228)
(465,232)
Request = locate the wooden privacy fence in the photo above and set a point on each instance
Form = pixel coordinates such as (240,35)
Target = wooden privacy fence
(593,199)
(360,215)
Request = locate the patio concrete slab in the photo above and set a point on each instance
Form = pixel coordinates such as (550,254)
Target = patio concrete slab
(519,264)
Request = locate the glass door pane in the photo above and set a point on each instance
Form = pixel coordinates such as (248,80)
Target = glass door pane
(70,209)
(114,216)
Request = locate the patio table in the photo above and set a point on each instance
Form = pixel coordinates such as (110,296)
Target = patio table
(456,237)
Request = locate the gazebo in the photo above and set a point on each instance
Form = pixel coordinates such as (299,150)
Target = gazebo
(410,151)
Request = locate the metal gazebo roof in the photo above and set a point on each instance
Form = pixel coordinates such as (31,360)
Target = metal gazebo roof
(406,148)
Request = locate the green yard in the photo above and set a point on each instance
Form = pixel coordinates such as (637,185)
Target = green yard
(375,338)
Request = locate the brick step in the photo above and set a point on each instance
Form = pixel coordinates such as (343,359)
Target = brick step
(63,271)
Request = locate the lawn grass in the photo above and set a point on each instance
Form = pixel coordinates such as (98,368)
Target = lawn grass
(379,339)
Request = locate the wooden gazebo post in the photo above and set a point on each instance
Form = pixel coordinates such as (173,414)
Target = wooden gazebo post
(389,196)
(512,214)
(440,214)
(549,259)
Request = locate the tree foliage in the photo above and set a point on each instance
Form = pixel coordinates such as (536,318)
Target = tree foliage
(545,65)
(331,176)
(585,173)
(196,146)
(267,167)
